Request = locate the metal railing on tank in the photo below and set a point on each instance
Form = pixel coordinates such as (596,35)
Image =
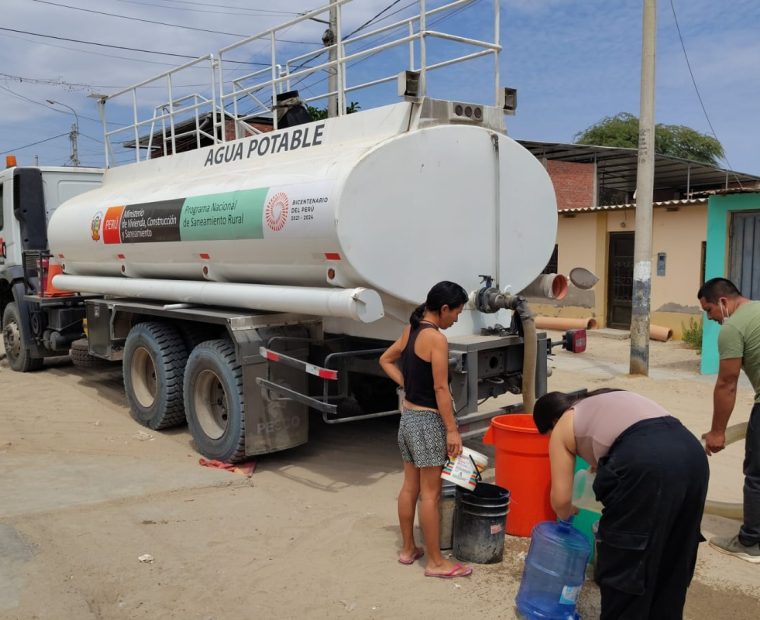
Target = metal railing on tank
(240,100)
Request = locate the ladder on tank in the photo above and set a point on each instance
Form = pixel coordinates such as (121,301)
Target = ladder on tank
(244,104)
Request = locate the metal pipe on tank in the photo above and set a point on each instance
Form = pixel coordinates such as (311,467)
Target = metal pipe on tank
(359,304)
(530,355)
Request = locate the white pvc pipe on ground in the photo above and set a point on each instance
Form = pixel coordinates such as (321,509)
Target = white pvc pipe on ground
(359,304)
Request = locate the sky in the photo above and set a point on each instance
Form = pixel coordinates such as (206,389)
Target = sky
(573,63)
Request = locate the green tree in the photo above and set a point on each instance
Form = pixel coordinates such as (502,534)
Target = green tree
(318,114)
(674,140)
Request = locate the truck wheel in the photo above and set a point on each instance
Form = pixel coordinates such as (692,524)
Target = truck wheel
(154,362)
(19,357)
(81,358)
(213,391)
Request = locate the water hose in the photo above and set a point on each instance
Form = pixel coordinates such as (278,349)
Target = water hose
(530,352)
(730,510)
(490,299)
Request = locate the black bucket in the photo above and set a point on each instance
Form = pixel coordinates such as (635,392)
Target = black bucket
(480,519)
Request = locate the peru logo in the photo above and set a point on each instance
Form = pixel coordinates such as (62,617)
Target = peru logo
(276,211)
(95,226)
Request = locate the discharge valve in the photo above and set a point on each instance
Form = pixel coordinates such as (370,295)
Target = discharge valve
(490,299)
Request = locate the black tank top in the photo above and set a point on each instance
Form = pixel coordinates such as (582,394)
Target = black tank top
(418,374)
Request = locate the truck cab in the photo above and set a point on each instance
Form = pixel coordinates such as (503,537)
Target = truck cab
(28,198)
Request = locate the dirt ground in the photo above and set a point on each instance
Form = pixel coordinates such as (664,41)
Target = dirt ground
(85,491)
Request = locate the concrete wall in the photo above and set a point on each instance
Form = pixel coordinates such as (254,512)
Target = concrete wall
(583,241)
(679,234)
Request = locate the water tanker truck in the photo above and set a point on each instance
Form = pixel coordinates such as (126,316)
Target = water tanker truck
(248,269)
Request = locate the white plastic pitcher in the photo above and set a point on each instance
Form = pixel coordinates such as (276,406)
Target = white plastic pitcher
(583,491)
(464,471)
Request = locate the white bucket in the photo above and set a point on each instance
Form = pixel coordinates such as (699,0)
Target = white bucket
(465,469)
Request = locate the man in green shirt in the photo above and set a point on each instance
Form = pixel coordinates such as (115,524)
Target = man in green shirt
(738,348)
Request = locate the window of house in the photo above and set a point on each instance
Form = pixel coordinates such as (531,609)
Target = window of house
(551,266)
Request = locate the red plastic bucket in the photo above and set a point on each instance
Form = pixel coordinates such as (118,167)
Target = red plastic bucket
(522,467)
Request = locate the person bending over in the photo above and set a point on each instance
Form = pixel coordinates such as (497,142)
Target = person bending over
(651,478)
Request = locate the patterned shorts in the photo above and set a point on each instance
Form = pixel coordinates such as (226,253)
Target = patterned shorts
(422,438)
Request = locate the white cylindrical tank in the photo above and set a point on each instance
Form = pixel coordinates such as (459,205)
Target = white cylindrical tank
(357,201)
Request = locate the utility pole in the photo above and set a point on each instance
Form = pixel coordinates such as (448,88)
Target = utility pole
(73,134)
(329,38)
(642,250)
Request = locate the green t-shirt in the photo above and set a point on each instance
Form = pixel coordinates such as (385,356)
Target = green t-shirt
(740,337)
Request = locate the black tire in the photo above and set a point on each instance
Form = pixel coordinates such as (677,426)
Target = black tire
(154,363)
(19,357)
(81,358)
(213,392)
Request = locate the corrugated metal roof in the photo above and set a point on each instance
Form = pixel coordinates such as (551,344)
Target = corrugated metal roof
(616,167)
(686,202)
(730,190)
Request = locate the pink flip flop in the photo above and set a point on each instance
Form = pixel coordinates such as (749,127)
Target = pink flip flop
(417,555)
(457,571)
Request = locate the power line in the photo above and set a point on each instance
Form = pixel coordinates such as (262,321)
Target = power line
(52,82)
(225,6)
(696,89)
(101,54)
(137,19)
(400,9)
(120,47)
(150,21)
(238,8)
(77,85)
(39,103)
(26,146)
(372,19)
(84,135)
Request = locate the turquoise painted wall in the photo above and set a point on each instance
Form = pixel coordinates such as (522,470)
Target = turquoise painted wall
(719,210)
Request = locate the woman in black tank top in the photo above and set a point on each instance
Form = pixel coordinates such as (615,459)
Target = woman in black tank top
(428,430)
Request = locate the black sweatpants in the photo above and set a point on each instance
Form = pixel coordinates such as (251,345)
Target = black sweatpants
(653,484)
(749,534)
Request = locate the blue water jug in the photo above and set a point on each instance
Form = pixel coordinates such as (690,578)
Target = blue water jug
(554,572)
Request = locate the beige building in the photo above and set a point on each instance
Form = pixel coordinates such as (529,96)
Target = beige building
(596,227)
